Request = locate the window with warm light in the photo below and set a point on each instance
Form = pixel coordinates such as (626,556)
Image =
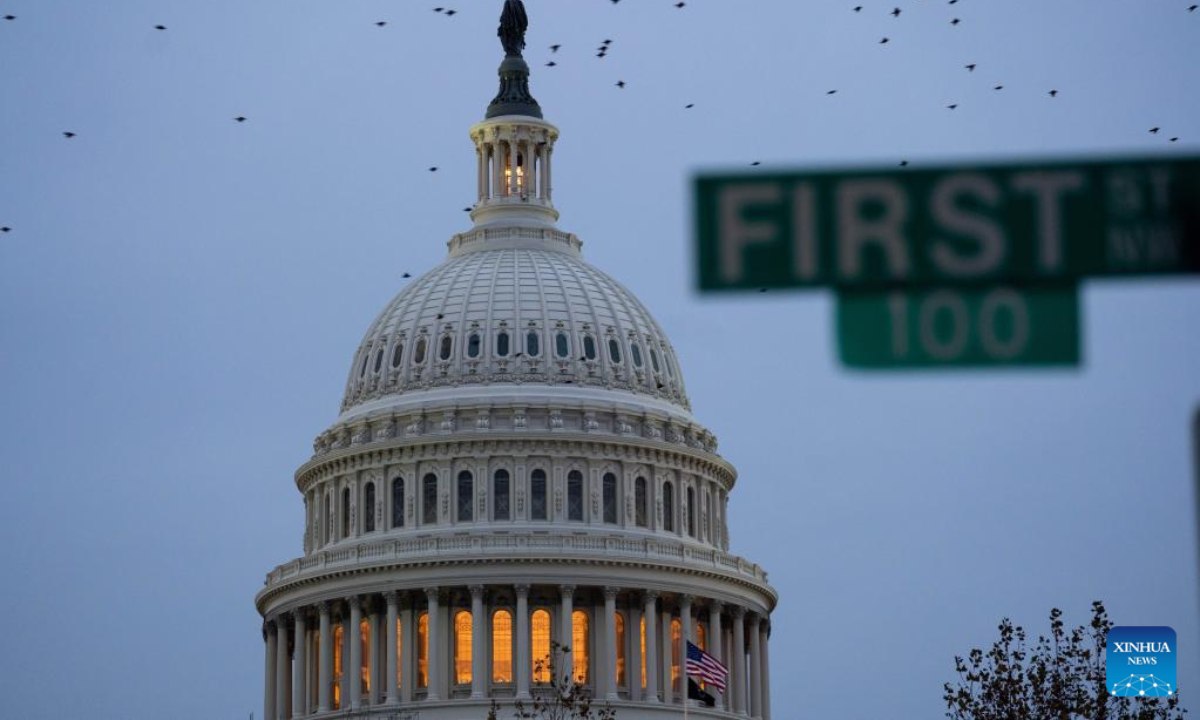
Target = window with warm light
(423,651)
(502,647)
(620,650)
(462,648)
(338,664)
(676,637)
(642,637)
(539,635)
(364,630)
(399,652)
(580,646)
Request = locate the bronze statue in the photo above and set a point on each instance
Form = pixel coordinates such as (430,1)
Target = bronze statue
(513,23)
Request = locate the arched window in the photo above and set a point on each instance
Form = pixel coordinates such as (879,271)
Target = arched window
(362,371)
(466,489)
(397,354)
(398,502)
(378,360)
(642,637)
(447,347)
(364,678)
(502,647)
(532,344)
(345,512)
(429,493)
(580,646)
(589,347)
(668,507)
(502,344)
(620,650)
(419,355)
(691,511)
(614,350)
(575,495)
(369,508)
(640,501)
(423,650)
(561,347)
(635,351)
(676,646)
(610,498)
(473,345)
(500,496)
(539,635)
(462,648)
(537,495)
(339,664)
(654,360)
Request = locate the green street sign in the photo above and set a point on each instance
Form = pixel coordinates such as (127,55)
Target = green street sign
(949,226)
(959,327)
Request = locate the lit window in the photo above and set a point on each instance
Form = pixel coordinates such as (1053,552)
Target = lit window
(614,350)
(419,355)
(589,347)
(539,634)
(620,649)
(473,345)
(642,635)
(339,635)
(640,501)
(502,344)
(532,347)
(398,502)
(575,495)
(466,486)
(399,652)
(429,489)
(502,647)
(668,507)
(537,495)
(676,635)
(462,648)
(364,636)
(579,646)
(635,351)
(561,346)
(369,508)
(610,498)
(447,347)
(500,495)
(423,650)
(397,354)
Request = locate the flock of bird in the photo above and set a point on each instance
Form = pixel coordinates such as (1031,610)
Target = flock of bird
(606,45)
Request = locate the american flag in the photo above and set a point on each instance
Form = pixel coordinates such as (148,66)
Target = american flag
(706,667)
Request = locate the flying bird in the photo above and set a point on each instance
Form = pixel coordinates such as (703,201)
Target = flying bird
(551,64)
(1154,131)
(1190,9)
(955,21)
(381,23)
(895,12)
(433,169)
(689,106)
(554,48)
(680,4)
(858,8)
(830,92)
(953,106)
(451,12)
(10,17)
(903,163)
(68,135)
(756,163)
(5,229)
(970,68)
(762,290)
(406,275)
(240,118)
(621,84)
(998,87)
(1053,93)
(883,41)
(1174,139)
(160,27)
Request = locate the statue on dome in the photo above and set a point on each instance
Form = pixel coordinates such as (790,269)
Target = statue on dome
(513,24)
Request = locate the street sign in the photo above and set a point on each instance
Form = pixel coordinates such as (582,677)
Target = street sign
(948,226)
(959,327)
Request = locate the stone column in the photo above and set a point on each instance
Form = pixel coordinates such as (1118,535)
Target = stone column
(755,666)
(737,659)
(686,633)
(650,616)
(345,650)
(566,639)
(544,180)
(766,671)
(376,669)
(609,675)
(549,173)
(523,665)
(715,637)
(282,668)
(633,650)
(391,682)
(497,168)
(269,686)
(479,680)
(434,657)
(481,171)
(667,645)
(300,667)
(325,662)
(408,649)
(354,667)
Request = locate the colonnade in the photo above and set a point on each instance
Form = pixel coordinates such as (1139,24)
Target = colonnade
(512,166)
(478,642)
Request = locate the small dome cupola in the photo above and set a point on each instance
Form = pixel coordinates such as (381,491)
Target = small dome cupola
(513,144)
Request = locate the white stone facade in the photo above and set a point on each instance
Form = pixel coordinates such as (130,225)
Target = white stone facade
(515,464)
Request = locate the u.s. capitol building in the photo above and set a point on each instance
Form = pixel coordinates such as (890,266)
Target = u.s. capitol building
(515,465)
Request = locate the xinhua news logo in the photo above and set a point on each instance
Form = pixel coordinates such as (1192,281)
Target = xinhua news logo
(1140,661)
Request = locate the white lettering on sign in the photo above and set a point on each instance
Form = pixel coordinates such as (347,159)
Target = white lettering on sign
(992,245)
(1003,300)
(804,233)
(943,301)
(736,233)
(1048,189)
(948,311)
(855,232)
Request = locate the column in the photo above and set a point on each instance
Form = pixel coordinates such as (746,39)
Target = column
(408,649)
(766,671)
(544,177)
(345,651)
(300,667)
(737,659)
(325,662)
(755,667)
(354,667)
(480,170)
(282,667)
(633,648)
(512,167)
(685,622)
(566,637)
(609,675)
(376,668)
(269,632)
(435,646)
(650,615)
(497,169)
(523,663)
(665,643)
(391,682)
(549,172)
(715,637)
(479,680)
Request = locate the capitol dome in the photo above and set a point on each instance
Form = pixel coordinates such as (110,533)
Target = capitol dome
(515,494)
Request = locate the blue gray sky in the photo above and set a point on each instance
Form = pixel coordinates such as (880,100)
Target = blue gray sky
(181,295)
